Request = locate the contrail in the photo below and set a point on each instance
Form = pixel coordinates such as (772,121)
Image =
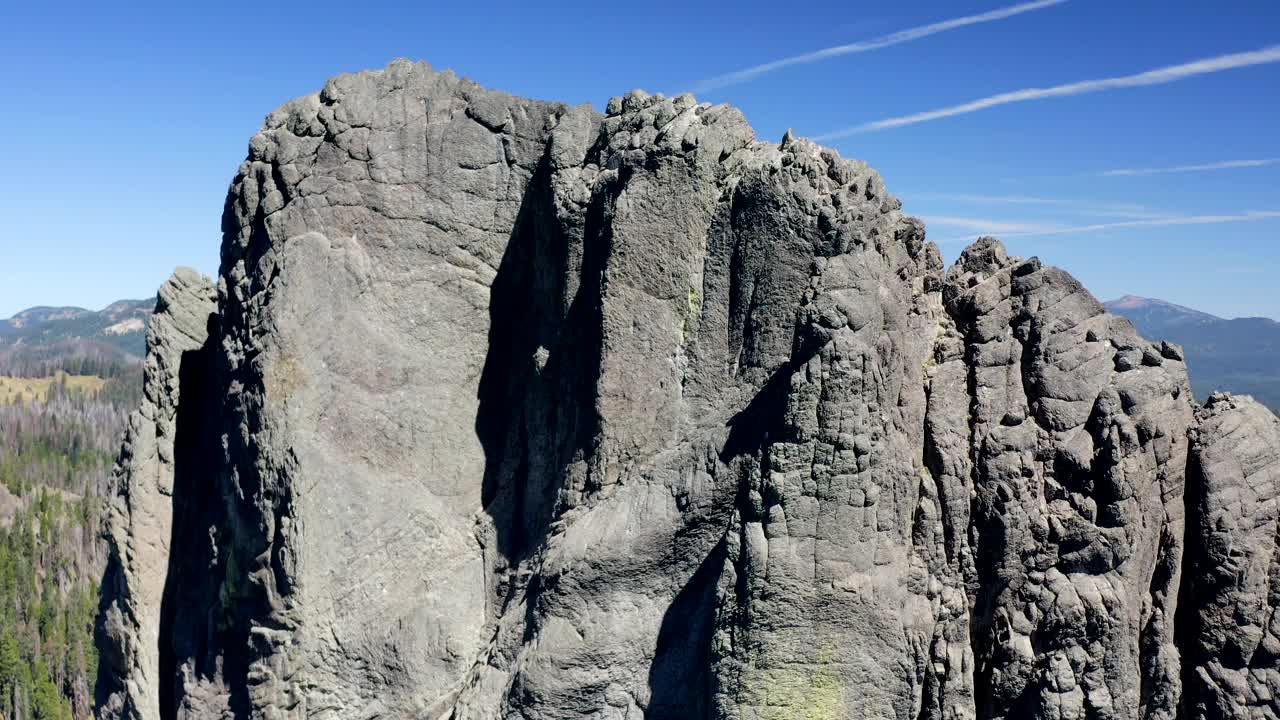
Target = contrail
(994,199)
(1225,165)
(1034,200)
(1158,76)
(1252,216)
(1079,207)
(902,36)
(994,227)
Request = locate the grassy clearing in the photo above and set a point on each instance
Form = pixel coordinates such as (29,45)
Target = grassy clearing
(28,389)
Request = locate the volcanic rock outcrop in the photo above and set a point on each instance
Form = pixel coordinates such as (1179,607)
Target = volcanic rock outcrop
(507,409)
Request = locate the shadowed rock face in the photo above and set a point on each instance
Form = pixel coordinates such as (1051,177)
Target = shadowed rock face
(506,409)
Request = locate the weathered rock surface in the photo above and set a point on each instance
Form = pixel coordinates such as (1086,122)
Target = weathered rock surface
(511,410)
(1231,650)
(140,517)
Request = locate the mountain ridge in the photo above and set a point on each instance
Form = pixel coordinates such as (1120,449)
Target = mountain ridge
(46,313)
(1239,355)
(1137,303)
(1134,303)
(39,338)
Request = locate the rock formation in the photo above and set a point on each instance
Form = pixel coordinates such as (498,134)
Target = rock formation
(508,409)
(151,485)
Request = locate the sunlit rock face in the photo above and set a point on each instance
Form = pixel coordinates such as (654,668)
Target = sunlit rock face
(505,409)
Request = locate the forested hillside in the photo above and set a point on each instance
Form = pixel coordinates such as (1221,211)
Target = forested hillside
(40,341)
(60,429)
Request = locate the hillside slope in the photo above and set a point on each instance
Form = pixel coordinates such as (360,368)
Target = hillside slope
(40,340)
(68,377)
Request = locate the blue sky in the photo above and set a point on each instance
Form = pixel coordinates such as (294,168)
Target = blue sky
(123,124)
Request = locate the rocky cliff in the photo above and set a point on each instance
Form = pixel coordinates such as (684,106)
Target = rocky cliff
(507,409)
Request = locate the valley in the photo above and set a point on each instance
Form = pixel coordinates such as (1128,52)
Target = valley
(64,402)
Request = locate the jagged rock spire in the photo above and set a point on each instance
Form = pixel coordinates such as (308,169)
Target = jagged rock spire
(513,409)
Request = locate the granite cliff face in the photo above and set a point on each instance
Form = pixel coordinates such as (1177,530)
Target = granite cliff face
(506,409)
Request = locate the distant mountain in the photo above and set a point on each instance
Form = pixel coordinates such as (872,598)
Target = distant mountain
(36,339)
(1158,313)
(1241,355)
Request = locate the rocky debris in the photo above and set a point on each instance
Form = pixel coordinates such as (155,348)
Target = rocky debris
(515,410)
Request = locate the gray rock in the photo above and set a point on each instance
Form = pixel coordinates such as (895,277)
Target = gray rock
(1232,635)
(139,518)
(515,410)
(1076,526)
